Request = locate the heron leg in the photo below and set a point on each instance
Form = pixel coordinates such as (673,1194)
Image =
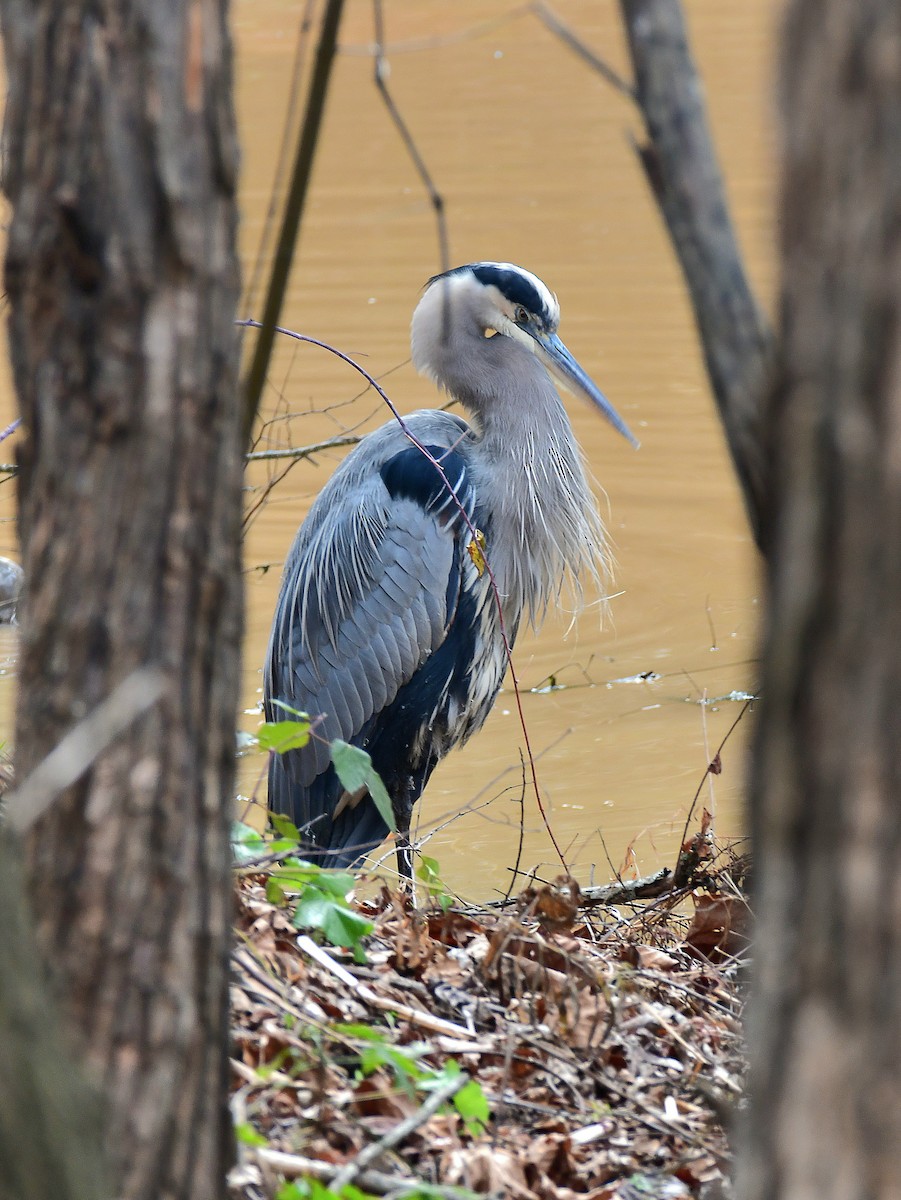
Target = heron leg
(404,859)
(403,801)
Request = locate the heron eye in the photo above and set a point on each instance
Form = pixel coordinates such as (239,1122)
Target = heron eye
(521,315)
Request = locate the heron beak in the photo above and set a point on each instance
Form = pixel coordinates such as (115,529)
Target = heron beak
(567,371)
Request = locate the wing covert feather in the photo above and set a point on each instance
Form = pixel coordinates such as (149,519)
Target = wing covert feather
(365,594)
(352,671)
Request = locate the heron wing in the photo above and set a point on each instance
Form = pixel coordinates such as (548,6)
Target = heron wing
(369,593)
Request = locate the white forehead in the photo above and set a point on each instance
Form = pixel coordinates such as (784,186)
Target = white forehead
(549,305)
(510,284)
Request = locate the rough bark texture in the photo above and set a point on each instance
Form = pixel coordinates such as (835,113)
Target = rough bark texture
(122,278)
(680,162)
(825,1033)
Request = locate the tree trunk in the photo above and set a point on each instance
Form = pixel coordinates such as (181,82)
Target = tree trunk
(825,1028)
(122,278)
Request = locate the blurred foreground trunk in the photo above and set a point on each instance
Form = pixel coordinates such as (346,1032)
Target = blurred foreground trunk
(122,280)
(825,1030)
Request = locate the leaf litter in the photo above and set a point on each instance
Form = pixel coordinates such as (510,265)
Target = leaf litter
(551,1049)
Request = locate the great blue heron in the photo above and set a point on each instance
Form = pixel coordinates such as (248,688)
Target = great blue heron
(387,623)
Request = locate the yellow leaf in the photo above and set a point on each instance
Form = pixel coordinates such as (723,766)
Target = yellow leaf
(476,549)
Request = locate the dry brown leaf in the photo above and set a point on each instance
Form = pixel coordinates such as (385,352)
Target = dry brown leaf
(720,926)
(487,1169)
(589,1023)
(648,958)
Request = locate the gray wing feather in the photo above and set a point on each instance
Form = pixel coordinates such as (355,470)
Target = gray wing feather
(363,600)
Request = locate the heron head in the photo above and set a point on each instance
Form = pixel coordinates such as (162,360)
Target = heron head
(490,299)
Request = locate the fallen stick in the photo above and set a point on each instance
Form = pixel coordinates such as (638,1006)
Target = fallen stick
(440,1096)
(416,1016)
(295,1166)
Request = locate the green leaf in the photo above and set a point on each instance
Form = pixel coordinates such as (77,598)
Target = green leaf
(247,842)
(285,827)
(249,1136)
(401,1059)
(340,925)
(313,1189)
(275,893)
(335,883)
(428,873)
(282,736)
(354,768)
(472,1105)
(293,1191)
(365,1033)
(297,874)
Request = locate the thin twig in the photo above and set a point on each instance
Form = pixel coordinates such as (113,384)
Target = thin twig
(395,1136)
(295,1166)
(442,40)
(299,452)
(281,161)
(710,762)
(415,1016)
(744,708)
(382,72)
(552,22)
(81,746)
(522,831)
(294,203)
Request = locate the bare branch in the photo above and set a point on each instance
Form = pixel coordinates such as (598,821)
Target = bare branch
(680,163)
(68,761)
(299,452)
(552,22)
(382,72)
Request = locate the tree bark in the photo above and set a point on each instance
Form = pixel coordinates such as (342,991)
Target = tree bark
(825,1026)
(122,278)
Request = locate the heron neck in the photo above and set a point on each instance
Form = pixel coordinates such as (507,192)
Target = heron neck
(532,484)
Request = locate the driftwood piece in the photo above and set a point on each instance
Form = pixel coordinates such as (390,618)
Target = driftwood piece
(680,163)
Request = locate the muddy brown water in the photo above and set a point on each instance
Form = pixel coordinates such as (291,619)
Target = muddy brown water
(532,154)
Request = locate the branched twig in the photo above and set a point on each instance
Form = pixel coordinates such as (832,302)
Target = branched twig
(414,1016)
(679,160)
(522,832)
(381,82)
(299,452)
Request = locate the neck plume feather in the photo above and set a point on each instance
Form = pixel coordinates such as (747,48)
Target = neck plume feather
(548,531)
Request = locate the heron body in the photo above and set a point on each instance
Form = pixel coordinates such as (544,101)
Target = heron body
(387,625)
